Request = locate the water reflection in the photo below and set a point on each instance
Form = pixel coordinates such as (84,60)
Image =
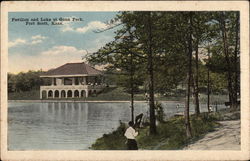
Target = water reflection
(68,126)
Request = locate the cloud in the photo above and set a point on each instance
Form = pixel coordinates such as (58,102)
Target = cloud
(67,27)
(16,42)
(36,39)
(93,25)
(61,50)
(52,58)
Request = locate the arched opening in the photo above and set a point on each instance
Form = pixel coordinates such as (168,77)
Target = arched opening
(69,93)
(63,94)
(50,94)
(83,93)
(44,94)
(57,94)
(76,93)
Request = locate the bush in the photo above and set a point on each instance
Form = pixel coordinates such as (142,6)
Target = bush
(160,112)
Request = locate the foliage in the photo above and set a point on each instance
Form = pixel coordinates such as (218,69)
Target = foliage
(160,112)
(25,81)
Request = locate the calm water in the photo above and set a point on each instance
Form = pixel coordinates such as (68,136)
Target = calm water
(69,126)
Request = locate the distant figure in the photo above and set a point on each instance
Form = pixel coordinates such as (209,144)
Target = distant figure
(146,96)
(177,107)
(210,109)
(130,134)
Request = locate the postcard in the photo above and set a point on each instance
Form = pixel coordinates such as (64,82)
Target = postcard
(125,80)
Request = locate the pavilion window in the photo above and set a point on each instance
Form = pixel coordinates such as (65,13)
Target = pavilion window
(87,80)
(76,81)
(68,81)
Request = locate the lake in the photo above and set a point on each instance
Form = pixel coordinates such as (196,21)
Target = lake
(72,125)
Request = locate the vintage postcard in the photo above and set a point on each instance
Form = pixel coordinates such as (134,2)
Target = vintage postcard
(125,80)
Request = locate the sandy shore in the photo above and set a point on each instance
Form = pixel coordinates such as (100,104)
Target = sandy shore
(226,137)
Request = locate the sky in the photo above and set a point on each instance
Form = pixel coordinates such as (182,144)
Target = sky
(35,47)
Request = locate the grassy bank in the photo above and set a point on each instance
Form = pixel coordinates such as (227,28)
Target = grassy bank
(27,95)
(170,134)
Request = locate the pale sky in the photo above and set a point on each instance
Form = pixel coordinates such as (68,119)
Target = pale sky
(34,47)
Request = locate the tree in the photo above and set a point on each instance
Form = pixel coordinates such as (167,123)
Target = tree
(121,56)
(189,75)
(151,74)
(228,48)
(122,52)
(24,81)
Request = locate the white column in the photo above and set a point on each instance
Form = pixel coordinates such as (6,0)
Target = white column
(53,93)
(66,94)
(41,94)
(73,93)
(85,80)
(52,81)
(73,81)
(62,81)
(59,93)
(87,93)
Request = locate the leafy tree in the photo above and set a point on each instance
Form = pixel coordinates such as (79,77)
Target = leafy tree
(227,49)
(24,81)
(122,57)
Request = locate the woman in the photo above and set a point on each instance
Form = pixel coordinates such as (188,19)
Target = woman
(130,135)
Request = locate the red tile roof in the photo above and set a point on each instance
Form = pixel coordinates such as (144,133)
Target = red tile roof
(73,69)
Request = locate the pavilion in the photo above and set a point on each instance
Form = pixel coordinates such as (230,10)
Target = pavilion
(72,80)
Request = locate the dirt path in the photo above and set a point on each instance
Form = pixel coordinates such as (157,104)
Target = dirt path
(226,137)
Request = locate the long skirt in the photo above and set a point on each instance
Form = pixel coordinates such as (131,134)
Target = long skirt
(132,144)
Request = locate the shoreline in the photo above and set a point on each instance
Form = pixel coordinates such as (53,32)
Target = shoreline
(80,101)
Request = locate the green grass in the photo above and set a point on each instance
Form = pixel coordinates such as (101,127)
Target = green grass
(114,140)
(170,134)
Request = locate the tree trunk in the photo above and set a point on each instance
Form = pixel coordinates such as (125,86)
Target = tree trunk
(236,57)
(132,87)
(151,78)
(227,57)
(208,84)
(196,82)
(189,74)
